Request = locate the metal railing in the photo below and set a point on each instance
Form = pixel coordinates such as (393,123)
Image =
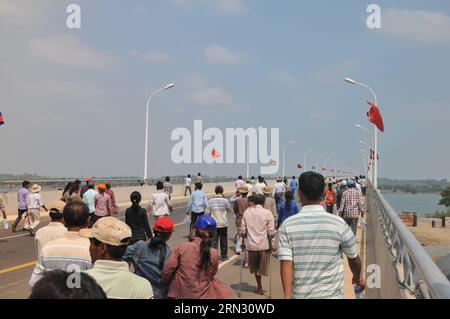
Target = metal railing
(58,184)
(415,270)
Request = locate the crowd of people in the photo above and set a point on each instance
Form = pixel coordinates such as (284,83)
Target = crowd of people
(132,260)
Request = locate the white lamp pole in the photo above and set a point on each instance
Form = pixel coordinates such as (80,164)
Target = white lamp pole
(304,159)
(325,165)
(317,160)
(375,150)
(284,154)
(167,87)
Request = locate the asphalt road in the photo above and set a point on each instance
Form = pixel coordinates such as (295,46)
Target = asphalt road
(17,257)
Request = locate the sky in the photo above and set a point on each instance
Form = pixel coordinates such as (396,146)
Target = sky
(74,99)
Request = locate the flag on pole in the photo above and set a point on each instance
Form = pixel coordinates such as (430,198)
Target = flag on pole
(272,163)
(2,119)
(299,166)
(375,116)
(215,154)
(324,169)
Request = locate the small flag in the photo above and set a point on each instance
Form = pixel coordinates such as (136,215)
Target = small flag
(299,166)
(2,119)
(215,154)
(324,169)
(273,163)
(375,116)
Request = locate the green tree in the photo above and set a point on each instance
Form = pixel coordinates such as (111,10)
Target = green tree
(445,200)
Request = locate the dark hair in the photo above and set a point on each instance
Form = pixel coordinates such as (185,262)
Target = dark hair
(289,196)
(55,214)
(25,183)
(260,179)
(311,184)
(91,185)
(330,186)
(293,177)
(108,186)
(74,188)
(115,252)
(205,248)
(76,214)
(53,285)
(219,189)
(158,241)
(159,185)
(260,199)
(199,174)
(189,175)
(167,179)
(135,199)
(251,199)
(198,185)
(68,187)
(240,177)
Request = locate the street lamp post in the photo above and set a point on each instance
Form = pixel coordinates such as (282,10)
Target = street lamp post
(375,148)
(325,165)
(304,159)
(167,87)
(317,160)
(284,154)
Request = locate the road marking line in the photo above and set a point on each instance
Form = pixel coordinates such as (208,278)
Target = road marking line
(222,264)
(3,271)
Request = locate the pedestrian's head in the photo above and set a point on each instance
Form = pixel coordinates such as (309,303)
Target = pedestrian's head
(88,180)
(101,188)
(198,186)
(238,193)
(159,185)
(253,177)
(56,211)
(35,188)
(74,188)
(53,285)
(167,179)
(205,227)
(91,185)
(311,186)
(293,177)
(219,190)
(189,175)
(260,179)
(267,190)
(243,191)
(356,179)
(330,186)
(289,196)
(109,239)
(350,183)
(76,215)
(260,199)
(135,198)
(26,184)
(251,200)
(199,174)
(78,182)
(162,230)
(108,186)
(240,177)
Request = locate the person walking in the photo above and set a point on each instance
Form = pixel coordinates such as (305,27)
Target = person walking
(258,189)
(187,185)
(279,188)
(54,230)
(22,196)
(311,264)
(110,192)
(3,208)
(239,183)
(89,199)
(136,218)
(198,203)
(168,187)
(351,208)
(270,204)
(342,187)
(240,206)
(258,226)
(85,187)
(109,238)
(148,259)
(363,183)
(199,178)
(219,207)
(287,208)
(160,204)
(330,198)
(103,204)
(191,268)
(250,187)
(293,185)
(34,205)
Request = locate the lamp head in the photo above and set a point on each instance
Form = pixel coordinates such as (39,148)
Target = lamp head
(169,86)
(349,80)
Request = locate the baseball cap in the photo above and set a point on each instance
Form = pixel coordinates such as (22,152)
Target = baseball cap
(350,182)
(88,179)
(163,225)
(344,183)
(109,230)
(205,222)
(101,186)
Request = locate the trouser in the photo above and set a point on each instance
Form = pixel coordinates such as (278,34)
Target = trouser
(92,219)
(330,209)
(186,188)
(19,217)
(363,191)
(353,223)
(33,219)
(221,235)
(194,217)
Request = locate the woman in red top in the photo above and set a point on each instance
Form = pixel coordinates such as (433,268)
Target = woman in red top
(191,267)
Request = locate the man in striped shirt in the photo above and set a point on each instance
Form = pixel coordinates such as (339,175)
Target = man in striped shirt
(219,207)
(311,244)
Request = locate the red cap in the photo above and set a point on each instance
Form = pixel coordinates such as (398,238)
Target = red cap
(163,225)
(88,179)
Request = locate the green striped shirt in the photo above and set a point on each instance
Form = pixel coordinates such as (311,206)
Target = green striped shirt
(314,241)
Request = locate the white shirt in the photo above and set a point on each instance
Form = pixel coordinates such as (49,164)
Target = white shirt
(187,182)
(363,182)
(358,187)
(239,183)
(160,203)
(279,187)
(259,188)
(249,187)
(34,201)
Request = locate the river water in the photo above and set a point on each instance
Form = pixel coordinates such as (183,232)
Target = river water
(422,204)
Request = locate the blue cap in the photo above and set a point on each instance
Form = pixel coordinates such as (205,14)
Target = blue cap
(206,222)
(350,182)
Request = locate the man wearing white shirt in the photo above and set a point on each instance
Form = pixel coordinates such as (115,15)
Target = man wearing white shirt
(160,204)
(259,186)
(249,187)
(187,185)
(278,190)
(239,183)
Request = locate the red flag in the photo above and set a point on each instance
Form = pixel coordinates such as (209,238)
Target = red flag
(324,169)
(273,163)
(215,154)
(299,166)
(2,120)
(375,116)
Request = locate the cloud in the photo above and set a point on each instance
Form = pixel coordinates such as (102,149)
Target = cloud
(222,7)
(46,88)
(69,51)
(336,72)
(194,81)
(210,96)
(17,13)
(152,56)
(322,115)
(420,26)
(431,111)
(217,54)
(284,79)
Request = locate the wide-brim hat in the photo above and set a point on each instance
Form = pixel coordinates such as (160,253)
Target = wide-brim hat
(36,188)
(243,190)
(267,190)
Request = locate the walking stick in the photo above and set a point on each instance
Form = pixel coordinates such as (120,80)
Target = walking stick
(270,266)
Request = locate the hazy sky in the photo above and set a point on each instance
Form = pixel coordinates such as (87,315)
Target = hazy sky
(74,99)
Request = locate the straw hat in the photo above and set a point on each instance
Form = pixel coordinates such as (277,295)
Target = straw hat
(36,188)
(243,190)
(267,190)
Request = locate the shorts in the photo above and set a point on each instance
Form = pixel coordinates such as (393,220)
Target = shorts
(258,262)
